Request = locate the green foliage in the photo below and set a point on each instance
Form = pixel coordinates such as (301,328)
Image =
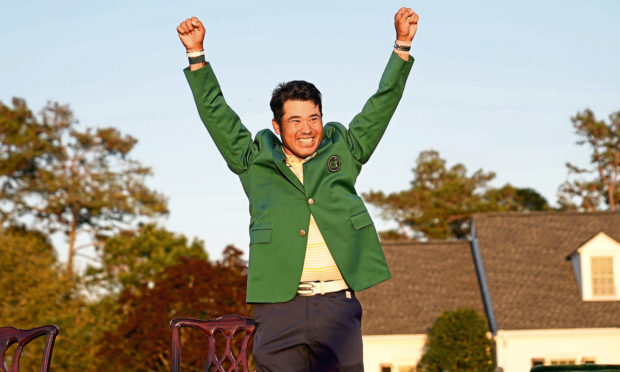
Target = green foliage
(458,342)
(193,288)
(580,193)
(56,177)
(441,199)
(59,178)
(34,291)
(134,258)
(29,279)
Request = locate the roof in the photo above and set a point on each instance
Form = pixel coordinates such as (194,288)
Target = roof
(427,279)
(531,282)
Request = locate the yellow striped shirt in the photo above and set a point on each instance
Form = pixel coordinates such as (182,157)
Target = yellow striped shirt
(318,263)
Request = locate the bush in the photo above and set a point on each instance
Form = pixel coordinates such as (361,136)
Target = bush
(458,342)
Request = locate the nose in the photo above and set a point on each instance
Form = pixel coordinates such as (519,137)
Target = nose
(306,127)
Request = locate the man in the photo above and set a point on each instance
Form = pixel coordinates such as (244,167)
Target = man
(312,241)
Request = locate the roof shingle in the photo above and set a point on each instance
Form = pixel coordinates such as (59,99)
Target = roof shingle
(531,282)
(427,279)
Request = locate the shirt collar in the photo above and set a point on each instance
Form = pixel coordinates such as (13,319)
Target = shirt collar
(292,160)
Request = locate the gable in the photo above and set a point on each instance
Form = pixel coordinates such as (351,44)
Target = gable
(596,266)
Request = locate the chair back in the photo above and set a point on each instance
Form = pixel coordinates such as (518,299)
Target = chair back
(10,335)
(229,326)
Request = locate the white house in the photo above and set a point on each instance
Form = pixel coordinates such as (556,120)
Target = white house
(546,281)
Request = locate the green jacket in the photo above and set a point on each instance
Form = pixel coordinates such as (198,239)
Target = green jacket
(279,208)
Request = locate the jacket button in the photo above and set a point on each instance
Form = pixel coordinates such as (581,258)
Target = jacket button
(310,201)
(302,232)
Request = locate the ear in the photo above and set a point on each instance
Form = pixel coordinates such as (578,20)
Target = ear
(276,126)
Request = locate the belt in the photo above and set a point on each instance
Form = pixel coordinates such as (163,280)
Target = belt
(321,287)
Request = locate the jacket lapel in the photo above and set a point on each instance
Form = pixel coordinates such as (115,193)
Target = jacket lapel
(279,161)
(314,168)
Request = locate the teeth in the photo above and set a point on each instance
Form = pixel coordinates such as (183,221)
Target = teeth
(306,141)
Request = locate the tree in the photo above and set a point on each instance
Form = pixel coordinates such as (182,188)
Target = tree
(34,291)
(510,198)
(30,279)
(458,342)
(604,141)
(441,199)
(24,145)
(132,259)
(193,288)
(56,178)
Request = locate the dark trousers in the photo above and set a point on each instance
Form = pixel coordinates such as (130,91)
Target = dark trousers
(314,333)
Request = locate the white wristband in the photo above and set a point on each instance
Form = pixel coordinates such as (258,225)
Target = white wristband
(195,54)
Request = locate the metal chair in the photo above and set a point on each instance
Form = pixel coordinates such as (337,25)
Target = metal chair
(10,335)
(229,326)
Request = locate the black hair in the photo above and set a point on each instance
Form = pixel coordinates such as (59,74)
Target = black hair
(296,90)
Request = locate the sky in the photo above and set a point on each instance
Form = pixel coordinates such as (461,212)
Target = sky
(494,85)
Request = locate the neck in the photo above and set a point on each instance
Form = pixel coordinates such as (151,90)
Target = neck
(290,153)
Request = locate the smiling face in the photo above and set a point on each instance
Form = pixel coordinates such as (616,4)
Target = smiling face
(301,128)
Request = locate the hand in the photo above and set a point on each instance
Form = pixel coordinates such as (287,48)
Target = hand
(406,24)
(192,34)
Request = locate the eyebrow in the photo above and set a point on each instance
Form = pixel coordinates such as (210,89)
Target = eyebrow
(299,117)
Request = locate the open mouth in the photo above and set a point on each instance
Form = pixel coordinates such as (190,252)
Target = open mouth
(305,141)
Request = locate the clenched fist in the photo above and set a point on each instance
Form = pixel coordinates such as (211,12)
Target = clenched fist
(406,24)
(192,34)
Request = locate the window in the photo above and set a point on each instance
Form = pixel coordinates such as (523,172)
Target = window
(596,265)
(602,276)
(396,368)
(562,362)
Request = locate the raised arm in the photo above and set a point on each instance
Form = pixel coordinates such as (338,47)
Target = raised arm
(231,137)
(367,127)
(192,35)
(406,26)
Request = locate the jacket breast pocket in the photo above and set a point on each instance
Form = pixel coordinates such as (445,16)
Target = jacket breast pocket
(361,220)
(260,236)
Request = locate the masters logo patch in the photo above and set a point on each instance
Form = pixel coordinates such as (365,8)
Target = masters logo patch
(333,163)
